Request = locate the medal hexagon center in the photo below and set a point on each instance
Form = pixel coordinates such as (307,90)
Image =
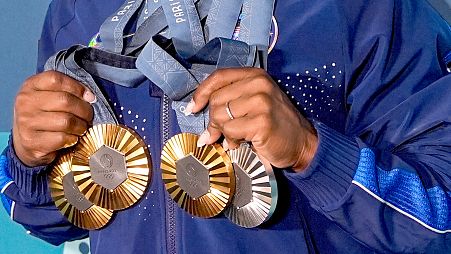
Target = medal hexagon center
(192,176)
(73,194)
(243,193)
(108,167)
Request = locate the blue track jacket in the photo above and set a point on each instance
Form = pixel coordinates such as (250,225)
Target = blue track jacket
(373,78)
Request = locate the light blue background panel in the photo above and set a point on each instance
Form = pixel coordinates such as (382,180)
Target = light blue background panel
(13,237)
(21,24)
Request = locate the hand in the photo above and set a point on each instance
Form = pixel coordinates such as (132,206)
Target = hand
(262,114)
(51,111)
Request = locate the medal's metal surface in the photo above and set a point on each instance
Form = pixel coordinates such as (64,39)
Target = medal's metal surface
(108,167)
(112,166)
(255,197)
(70,201)
(185,164)
(73,195)
(192,176)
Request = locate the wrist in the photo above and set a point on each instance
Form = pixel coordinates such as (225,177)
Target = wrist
(307,151)
(19,152)
(22,155)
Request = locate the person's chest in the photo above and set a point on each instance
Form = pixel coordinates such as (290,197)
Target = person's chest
(305,61)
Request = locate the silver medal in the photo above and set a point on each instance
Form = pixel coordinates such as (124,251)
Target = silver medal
(255,196)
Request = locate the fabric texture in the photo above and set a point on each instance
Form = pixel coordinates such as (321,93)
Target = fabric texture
(372,76)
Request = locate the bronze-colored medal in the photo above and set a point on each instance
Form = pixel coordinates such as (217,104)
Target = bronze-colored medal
(255,197)
(112,166)
(199,179)
(70,201)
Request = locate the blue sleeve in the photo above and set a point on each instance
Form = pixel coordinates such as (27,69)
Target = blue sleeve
(387,179)
(24,190)
(26,198)
(25,194)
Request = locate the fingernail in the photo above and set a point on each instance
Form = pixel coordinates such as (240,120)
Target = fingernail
(89,97)
(225,145)
(203,139)
(189,108)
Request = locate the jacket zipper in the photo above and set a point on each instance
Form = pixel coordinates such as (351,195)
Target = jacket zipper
(170,209)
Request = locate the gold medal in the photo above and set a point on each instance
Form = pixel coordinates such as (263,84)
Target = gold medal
(70,201)
(112,166)
(255,197)
(199,179)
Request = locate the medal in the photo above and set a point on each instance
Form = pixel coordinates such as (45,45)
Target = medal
(199,179)
(255,196)
(70,201)
(111,166)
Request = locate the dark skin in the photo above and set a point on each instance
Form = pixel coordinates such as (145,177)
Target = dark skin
(53,110)
(263,115)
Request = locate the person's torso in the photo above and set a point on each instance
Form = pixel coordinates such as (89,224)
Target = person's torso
(312,76)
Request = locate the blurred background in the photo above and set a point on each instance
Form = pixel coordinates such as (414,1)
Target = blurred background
(21,23)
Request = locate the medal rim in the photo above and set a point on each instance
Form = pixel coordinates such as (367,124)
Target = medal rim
(210,204)
(234,213)
(121,197)
(95,217)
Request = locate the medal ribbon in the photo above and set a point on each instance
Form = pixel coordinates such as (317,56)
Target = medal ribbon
(184,26)
(223,18)
(157,24)
(178,82)
(177,74)
(82,63)
(112,30)
(151,21)
(255,22)
(178,71)
(150,6)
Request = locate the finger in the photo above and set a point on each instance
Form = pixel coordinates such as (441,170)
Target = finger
(56,81)
(243,88)
(240,107)
(215,127)
(230,144)
(59,122)
(209,136)
(225,144)
(215,133)
(220,79)
(253,129)
(65,102)
(220,115)
(45,142)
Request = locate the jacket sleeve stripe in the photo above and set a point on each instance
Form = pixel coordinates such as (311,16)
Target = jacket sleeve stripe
(13,205)
(5,179)
(403,191)
(5,182)
(6,186)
